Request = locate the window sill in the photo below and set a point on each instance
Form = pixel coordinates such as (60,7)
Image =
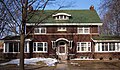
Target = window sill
(39,52)
(83,51)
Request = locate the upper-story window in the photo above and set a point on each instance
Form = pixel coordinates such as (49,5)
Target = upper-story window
(83,30)
(62,29)
(41,30)
(61,16)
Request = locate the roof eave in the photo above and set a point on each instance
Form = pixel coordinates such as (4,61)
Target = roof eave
(51,24)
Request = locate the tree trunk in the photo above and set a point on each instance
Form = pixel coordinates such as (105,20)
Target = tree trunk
(22,35)
(22,41)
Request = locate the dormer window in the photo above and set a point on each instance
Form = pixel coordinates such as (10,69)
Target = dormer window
(61,16)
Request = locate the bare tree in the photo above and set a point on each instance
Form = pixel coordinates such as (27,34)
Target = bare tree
(110,9)
(15,15)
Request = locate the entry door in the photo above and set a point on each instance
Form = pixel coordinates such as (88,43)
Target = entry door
(62,49)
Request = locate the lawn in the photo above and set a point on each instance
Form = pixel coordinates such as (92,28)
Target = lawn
(94,65)
(71,65)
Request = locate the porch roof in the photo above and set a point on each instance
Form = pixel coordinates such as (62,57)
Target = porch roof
(106,39)
(14,38)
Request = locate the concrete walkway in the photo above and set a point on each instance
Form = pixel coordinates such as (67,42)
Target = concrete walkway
(62,66)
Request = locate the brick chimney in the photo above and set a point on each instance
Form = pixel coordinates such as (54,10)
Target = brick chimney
(92,8)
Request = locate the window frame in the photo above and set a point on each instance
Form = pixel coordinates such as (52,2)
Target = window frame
(6,47)
(83,30)
(88,47)
(61,17)
(40,30)
(35,47)
(61,29)
(115,47)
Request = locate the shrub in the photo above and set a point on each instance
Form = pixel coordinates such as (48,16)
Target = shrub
(101,58)
(110,58)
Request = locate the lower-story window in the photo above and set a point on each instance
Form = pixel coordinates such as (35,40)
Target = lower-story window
(40,47)
(84,57)
(83,46)
(108,47)
(14,47)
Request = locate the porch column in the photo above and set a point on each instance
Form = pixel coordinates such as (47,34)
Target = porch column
(27,47)
(53,44)
(4,48)
(70,44)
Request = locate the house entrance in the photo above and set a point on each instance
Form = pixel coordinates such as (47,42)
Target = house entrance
(62,50)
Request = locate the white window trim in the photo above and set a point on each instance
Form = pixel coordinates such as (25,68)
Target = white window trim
(64,17)
(7,45)
(27,47)
(84,57)
(83,29)
(43,47)
(62,29)
(86,47)
(40,30)
(116,50)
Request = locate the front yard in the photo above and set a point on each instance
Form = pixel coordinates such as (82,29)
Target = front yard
(94,65)
(70,65)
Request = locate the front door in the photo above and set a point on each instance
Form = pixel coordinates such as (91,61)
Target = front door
(62,50)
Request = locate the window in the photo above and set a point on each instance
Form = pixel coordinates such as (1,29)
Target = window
(111,46)
(118,46)
(108,47)
(104,47)
(40,30)
(12,47)
(40,47)
(84,57)
(83,46)
(83,30)
(61,17)
(61,28)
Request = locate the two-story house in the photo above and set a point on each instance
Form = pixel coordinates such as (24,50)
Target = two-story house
(66,34)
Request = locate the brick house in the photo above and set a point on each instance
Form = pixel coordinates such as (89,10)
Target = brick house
(66,34)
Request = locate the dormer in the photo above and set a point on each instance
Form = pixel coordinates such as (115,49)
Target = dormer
(61,16)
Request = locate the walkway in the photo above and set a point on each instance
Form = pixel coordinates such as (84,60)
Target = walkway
(62,66)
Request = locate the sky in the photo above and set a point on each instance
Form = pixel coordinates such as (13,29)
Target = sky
(74,4)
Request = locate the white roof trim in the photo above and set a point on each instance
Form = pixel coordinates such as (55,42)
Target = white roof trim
(17,40)
(61,14)
(62,39)
(51,24)
(106,40)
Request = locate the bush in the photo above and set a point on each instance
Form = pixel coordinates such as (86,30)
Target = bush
(110,58)
(101,58)
(119,58)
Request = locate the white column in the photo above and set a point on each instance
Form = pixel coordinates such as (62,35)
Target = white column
(28,47)
(116,47)
(4,48)
(108,47)
(96,47)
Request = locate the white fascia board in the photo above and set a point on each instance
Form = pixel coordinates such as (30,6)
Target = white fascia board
(17,40)
(106,40)
(61,14)
(52,24)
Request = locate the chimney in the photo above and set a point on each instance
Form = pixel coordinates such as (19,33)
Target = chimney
(92,8)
